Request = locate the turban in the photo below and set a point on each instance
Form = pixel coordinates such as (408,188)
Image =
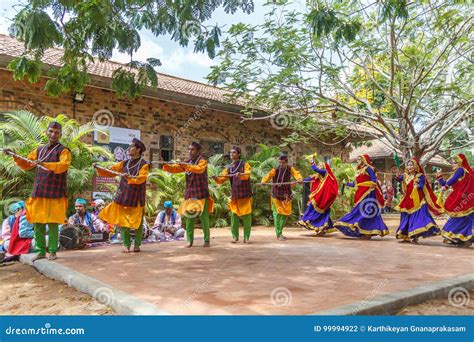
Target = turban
(98,202)
(81,201)
(56,125)
(283,157)
(197,145)
(168,204)
(236,149)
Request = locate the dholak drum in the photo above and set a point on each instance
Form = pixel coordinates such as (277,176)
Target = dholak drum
(146,231)
(74,236)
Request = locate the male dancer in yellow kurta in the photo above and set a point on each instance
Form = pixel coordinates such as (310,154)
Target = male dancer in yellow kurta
(240,203)
(197,201)
(126,211)
(281,194)
(48,202)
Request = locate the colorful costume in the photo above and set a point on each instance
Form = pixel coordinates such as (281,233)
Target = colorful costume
(126,211)
(459,204)
(281,194)
(324,190)
(240,203)
(48,202)
(22,236)
(415,206)
(197,201)
(365,218)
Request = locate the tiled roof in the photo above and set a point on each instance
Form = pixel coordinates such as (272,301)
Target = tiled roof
(10,48)
(379,149)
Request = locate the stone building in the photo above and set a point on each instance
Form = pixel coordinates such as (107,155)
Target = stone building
(168,117)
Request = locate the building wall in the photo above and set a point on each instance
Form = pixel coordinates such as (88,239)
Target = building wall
(153,118)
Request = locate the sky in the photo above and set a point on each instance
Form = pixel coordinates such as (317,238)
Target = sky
(176,60)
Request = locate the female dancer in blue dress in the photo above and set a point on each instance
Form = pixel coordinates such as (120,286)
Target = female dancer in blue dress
(365,219)
(459,204)
(416,204)
(323,194)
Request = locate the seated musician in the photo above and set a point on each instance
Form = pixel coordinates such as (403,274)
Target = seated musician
(168,223)
(85,218)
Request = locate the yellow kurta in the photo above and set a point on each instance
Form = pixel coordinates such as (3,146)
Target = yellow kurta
(282,207)
(41,209)
(187,205)
(120,215)
(239,206)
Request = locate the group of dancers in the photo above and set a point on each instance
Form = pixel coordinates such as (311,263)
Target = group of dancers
(48,202)
(417,205)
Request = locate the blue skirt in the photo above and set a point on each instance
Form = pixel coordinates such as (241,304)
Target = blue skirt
(319,222)
(459,229)
(417,224)
(364,219)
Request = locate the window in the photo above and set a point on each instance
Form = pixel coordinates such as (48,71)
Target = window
(166,147)
(210,148)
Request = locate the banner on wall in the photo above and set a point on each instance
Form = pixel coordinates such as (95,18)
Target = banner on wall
(116,142)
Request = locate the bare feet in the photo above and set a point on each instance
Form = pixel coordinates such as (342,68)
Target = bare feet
(126,250)
(206,244)
(189,245)
(415,241)
(366,237)
(247,241)
(234,240)
(52,256)
(281,238)
(38,256)
(136,249)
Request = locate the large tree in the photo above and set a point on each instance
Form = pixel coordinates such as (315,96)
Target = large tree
(402,69)
(95,28)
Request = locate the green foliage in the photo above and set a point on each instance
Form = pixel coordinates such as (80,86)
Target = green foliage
(22,132)
(353,70)
(87,29)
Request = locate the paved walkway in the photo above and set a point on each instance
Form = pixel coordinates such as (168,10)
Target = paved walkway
(299,276)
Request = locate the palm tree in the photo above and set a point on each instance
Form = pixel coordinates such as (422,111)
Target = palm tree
(22,131)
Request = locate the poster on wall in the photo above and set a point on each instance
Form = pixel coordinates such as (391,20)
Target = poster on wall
(116,142)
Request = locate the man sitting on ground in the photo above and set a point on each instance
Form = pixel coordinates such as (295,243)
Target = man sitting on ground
(83,217)
(168,223)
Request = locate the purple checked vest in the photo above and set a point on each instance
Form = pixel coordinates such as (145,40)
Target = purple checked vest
(48,184)
(239,188)
(282,192)
(131,195)
(197,185)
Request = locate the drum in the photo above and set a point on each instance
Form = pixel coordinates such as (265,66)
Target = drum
(74,236)
(146,231)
